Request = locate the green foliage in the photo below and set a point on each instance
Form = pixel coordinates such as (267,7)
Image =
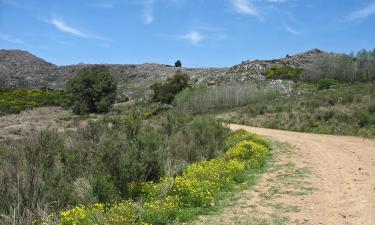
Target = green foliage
(178,63)
(326,83)
(283,72)
(202,138)
(165,92)
(16,100)
(93,90)
(100,162)
(345,109)
(165,201)
(121,98)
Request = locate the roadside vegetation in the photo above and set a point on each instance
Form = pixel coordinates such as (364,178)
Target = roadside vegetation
(123,169)
(345,109)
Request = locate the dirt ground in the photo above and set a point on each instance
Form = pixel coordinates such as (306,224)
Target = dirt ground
(318,179)
(15,125)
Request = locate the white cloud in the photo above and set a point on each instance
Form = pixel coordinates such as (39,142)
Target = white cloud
(62,26)
(193,37)
(362,13)
(245,7)
(148,11)
(8,38)
(292,30)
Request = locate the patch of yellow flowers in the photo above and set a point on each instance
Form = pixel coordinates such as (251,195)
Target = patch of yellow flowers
(196,187)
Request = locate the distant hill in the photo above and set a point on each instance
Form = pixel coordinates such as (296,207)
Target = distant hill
(22,69)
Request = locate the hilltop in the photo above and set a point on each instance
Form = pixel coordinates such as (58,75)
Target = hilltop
(23,70)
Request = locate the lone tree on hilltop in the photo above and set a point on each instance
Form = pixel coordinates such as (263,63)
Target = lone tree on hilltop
(93,90)
(178,63)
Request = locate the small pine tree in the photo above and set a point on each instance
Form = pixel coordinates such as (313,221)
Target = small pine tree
(178,63)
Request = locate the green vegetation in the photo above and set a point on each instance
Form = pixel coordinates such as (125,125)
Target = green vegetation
(326,83)
(49,171)
(93,90)
(346,109)
(16,100)
(283,72)
(178,63)
(203,99)
(165,92)
(173,198)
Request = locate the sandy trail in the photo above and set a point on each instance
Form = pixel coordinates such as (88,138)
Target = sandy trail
(343,175)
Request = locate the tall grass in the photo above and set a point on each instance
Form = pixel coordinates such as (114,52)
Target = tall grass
(203,99)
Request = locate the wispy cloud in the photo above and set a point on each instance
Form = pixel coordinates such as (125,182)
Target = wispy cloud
(362,13)
(194,37)
(148,11)
(245,7)
(62,26)
(292,30)
(11,39)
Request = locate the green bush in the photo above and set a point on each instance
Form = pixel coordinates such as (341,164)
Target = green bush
(202,138)
(93,90)
(16,100)
(165,92)
(165,201)
(326,83)
(283,72)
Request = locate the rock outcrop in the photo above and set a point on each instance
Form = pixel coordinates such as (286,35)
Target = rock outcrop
(22,69)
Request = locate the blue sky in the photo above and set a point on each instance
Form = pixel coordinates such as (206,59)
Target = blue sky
(199,32)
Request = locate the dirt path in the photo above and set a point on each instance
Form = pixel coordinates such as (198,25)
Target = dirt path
(320,179)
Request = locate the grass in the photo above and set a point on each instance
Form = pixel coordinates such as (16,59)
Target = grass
(345,109)
(16,100)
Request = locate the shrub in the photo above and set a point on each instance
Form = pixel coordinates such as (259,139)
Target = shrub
(93,90)
(283,72)
(166,92)
(326,83)
(164,201)
(242,135)
(248,151)
(121,98)
(202,138)
(16,100)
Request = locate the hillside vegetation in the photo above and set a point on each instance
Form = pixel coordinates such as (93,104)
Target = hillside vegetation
(16,100)
(346,109)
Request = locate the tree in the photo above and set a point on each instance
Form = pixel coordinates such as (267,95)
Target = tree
(93,90)
(178,63)
(165,92)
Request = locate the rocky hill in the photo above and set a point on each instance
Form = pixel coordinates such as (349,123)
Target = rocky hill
(22,69)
